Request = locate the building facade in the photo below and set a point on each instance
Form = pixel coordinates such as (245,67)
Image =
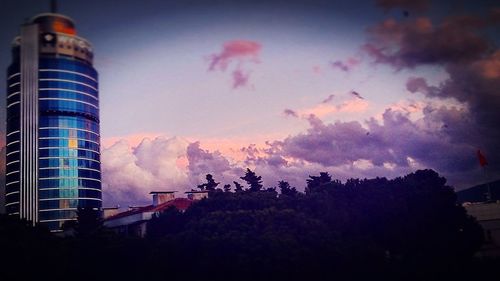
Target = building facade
(134,221)
(53,142)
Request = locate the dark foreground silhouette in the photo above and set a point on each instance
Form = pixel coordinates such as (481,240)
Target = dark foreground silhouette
(408,228)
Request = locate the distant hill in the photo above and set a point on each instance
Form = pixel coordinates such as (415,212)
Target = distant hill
(478,193)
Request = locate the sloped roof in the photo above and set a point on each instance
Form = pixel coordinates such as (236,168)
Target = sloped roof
(179,203)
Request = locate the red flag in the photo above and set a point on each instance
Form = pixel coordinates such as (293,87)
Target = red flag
(482,160)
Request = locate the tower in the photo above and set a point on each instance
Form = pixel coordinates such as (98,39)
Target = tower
(53,143)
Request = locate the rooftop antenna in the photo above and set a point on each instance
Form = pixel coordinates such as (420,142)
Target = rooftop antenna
(53,6)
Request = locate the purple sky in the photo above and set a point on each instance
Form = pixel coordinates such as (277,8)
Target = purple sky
(288,88)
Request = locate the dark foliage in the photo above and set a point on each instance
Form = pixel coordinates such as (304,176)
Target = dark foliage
(408,228)
(254,182)
(237,186)
(210,185)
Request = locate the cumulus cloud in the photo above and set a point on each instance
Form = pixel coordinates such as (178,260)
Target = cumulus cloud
(241,52)
(202,162)
(131,173)
(419,41)
(459,45)
(394,142)
(419,84)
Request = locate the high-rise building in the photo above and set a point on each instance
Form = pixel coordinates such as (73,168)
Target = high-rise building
(52,156)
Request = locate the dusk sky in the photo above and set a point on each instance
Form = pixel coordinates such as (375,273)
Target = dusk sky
(288,88)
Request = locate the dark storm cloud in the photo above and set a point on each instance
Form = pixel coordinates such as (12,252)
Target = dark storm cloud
(419,84)
(394,140)
(329,144)
(416,42)
(472,61)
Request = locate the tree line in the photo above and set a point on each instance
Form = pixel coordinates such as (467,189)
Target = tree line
(407,228)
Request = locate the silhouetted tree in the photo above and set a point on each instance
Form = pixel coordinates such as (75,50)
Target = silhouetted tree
(89,222)
(237,186)
(210,185)
(286,189)
(253,181)
(227,188)
(315,183)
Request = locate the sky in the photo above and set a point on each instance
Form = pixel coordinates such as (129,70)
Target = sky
(289,89)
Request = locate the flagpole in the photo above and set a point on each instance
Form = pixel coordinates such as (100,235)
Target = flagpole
(483,163)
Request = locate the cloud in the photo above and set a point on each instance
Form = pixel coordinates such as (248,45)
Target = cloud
(240,79)
(489,67)
(290,113)
(394,142)
(241,52)
(129,174)
(419,41)
(459,45)
(356,94)
(345,66)
(332,105)
(419,84)
(236,49)
(202,162)
(328,99)
(411,5)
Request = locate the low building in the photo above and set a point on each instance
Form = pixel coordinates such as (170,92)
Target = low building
(110,211)
(487,215)
(196,195)
(134,221)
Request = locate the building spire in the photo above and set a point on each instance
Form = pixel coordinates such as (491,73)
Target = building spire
(53,6)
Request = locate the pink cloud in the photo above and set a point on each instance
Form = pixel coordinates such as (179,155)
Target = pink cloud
(236,49)
(241,51)
(240,79)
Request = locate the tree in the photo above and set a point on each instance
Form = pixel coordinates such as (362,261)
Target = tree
(253,181)
(315,183)
(89,222)
(210,185)
(237,186)
(286,189)
(227,188)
